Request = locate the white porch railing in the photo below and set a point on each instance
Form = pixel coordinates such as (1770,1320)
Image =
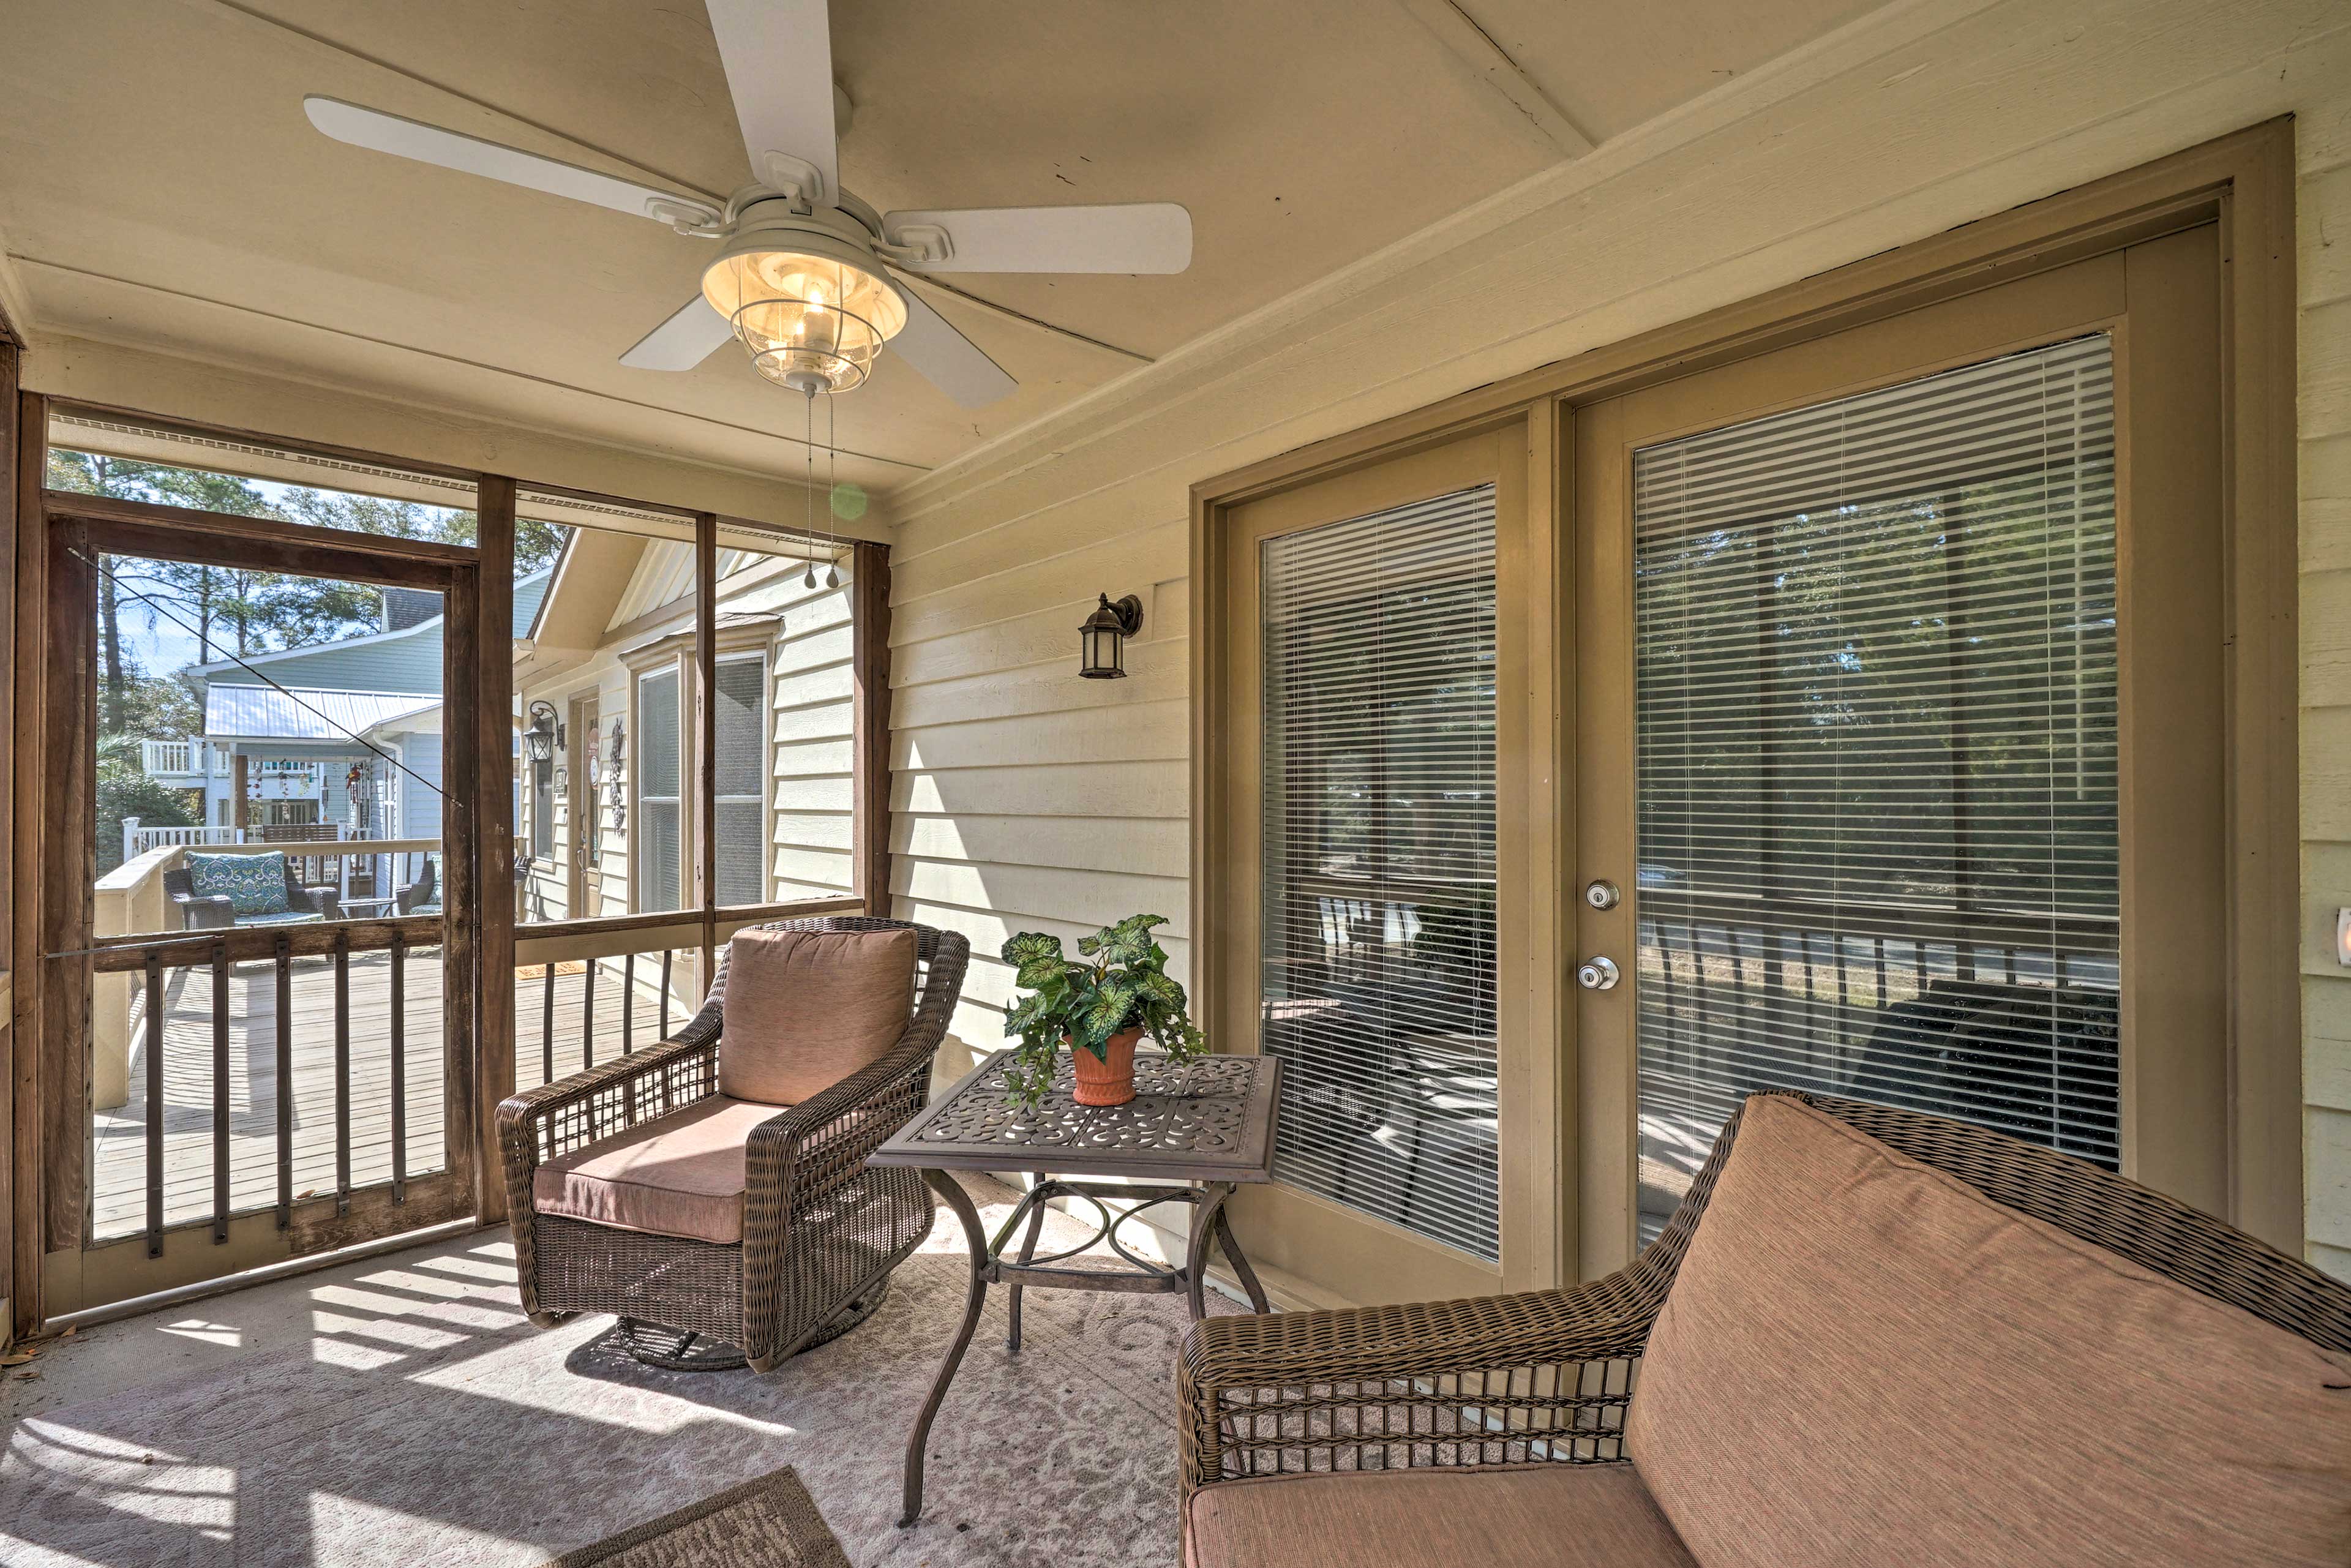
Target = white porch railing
(158,758)
(137,840)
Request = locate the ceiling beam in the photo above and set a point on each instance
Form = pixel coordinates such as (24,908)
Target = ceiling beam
(1491,64)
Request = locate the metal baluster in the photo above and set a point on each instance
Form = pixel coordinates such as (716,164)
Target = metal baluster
(220,1094)
(285,1084)
(342,1072)
(666,954)
(628,1001)
(547,1027)
(399,1068)
(154,1105)
(588,1018)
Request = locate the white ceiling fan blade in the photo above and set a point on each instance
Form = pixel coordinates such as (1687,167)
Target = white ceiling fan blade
(380,132)
(779,61)
(1140,237)
(948,360)
(683,341)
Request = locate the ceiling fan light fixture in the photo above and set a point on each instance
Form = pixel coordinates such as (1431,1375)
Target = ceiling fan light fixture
(810,321)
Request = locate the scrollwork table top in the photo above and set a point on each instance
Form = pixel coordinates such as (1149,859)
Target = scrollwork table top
(1209,1119)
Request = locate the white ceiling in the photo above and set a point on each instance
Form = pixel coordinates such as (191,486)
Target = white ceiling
(160,186)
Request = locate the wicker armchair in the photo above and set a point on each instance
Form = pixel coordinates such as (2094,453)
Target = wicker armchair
(820,1231)
(1552,1371)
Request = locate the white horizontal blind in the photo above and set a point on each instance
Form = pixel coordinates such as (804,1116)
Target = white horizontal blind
(1876,750)
(739,709)
(660,856)
(1378,974)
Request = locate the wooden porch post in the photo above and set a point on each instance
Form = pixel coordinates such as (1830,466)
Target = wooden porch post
(240,774)
(870,662)
(492,741)
(9,966)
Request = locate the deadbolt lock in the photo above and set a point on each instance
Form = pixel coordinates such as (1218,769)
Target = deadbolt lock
(1602,894)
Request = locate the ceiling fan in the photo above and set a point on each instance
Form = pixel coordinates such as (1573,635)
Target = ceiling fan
(803,275)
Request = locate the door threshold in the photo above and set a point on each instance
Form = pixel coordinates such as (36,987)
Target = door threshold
(266,1274)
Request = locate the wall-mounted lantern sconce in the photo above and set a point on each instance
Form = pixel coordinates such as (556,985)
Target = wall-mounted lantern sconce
(544,733)
(1101,640)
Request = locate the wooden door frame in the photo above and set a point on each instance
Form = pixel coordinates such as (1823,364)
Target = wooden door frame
(2244,183)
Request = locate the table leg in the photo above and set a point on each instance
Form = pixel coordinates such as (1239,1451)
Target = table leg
(1207,1211)
(1240,1264)
(1027,1250)
(945,1183)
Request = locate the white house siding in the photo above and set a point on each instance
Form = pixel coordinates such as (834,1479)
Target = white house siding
(812,690)
(1031,798)
(420,804)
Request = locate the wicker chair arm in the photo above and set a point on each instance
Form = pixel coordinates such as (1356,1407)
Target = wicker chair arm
(212,912)
(1251,1389)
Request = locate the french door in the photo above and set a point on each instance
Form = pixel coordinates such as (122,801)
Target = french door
(1374,795)
(1899,658)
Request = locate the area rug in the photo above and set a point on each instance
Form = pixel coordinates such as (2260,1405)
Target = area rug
(415,1419)
(771,1522)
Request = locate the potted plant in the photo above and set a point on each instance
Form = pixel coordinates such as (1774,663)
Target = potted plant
(1098,1008)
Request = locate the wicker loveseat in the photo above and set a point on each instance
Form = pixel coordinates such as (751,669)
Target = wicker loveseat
(1791,1375)
(820,1232)
(284,901)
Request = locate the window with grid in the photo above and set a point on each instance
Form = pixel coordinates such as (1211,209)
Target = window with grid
(1876,751)
(739,709)
(661,849)
(1378,987)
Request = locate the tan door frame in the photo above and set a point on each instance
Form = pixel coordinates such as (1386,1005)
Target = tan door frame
(2244,183)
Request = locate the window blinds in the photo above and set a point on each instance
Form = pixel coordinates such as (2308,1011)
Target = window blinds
(660,856)
(1876,753)
(739,708)
(1378,983)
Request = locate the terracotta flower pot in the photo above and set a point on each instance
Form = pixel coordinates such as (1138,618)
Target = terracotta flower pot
(1110,1081)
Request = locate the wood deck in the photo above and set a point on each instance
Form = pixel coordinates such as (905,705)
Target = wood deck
(118,1152)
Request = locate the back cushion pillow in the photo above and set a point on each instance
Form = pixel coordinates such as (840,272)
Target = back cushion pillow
(804,1009)
(253,885)
(1865,1361)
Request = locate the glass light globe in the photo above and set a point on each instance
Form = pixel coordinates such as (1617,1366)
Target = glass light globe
(810,322)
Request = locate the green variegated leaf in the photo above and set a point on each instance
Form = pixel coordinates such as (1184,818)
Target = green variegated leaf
(1039,972)
(1029,945)
(1089,945)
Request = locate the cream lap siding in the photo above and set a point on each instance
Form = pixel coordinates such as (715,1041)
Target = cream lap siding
(812,688)
(2323,216)
(1029,799)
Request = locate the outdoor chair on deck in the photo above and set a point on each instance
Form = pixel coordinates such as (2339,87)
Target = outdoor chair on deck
(214,892)
(712,1191)
(1868,1336)
(423,896)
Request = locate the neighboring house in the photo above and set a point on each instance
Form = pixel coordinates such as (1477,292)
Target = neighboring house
(607,817)
(298,718)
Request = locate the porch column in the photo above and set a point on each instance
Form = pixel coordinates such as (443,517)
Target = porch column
(238,766)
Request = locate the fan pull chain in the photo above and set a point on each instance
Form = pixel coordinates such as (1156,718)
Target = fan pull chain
(831,489)
(808,580)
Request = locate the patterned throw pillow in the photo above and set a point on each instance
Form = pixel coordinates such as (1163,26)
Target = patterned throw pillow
(254,885)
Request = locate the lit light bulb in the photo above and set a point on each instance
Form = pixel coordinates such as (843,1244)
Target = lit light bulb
(816,298)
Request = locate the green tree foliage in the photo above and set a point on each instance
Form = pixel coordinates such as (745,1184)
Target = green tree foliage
(124,789)
(245,610)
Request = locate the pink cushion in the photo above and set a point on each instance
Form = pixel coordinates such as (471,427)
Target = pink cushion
(1865,1361)
(679,1174)
(805,1010)
(1540,1516)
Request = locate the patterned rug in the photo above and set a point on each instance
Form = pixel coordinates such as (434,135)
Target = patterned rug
(424,1423)
(768,1523)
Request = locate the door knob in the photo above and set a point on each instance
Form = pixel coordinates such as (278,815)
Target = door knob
(1597,975)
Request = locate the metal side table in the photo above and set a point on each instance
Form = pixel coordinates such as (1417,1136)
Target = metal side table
(1192,1134)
